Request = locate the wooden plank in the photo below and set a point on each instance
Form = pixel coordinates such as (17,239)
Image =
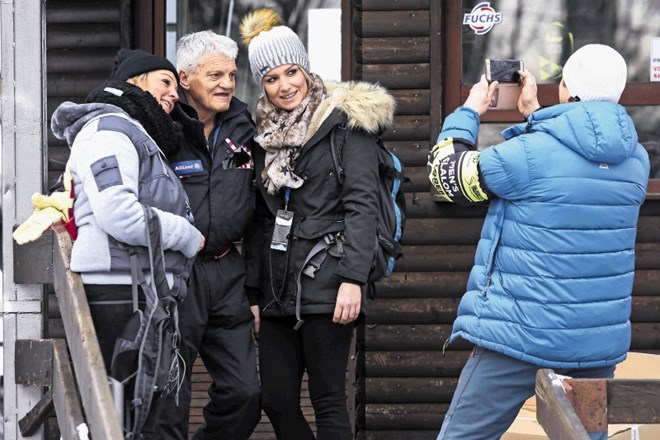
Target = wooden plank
(80,35)
(439,258)
(409,389)
(411,153)
(415,363)
(633,401)
(395,76)
(442,231)
(419,311)
(651,206)
(647,256)
(645,309)
(98,11)
(81,60)
(648,229)
(62,84)
(452,211)
(419,180)
(589,400)
(401,435)
(412,101)
(410,285)
(33,261)
(393,50)
(405,416)
(83,346)
(32,421)
(68,406)
(347,39)
(647,283)
(436,65)
(391,5)
(413,23)
(408,128)
(645,336)
(554,411)
(391,337)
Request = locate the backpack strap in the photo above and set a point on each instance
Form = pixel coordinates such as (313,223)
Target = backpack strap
(313,262)
(316,255)
(158,294)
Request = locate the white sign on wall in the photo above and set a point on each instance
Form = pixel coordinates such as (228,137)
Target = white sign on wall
(324,42)
(655,60)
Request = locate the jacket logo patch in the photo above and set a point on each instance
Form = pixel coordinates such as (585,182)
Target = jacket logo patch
(603,166)
(187,167)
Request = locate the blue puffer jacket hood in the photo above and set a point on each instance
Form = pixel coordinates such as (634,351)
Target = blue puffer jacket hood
(554,267)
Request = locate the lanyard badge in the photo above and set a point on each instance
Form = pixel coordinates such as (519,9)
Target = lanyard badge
(283,221)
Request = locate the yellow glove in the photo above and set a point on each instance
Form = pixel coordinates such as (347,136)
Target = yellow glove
(49,211)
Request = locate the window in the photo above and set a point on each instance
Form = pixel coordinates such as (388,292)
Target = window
(224,17)
(543,35)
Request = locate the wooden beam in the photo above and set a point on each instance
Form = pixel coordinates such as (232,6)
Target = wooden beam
(45,363)
(633,401)
(394,24)
(554,411)
(83,345)
(589,400)
(33,261)
(34,418)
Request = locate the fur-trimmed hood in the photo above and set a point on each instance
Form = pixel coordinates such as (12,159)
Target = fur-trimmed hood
(368,106)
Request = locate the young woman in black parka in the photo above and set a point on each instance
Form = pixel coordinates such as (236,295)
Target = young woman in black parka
(308,307)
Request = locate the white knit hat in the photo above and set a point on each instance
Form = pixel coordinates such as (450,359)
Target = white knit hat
(270,44)
(595,72)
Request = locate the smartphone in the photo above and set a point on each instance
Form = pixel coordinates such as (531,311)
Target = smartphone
(505,72)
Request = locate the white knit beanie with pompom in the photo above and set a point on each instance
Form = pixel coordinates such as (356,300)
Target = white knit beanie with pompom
(595,72)
(270,44)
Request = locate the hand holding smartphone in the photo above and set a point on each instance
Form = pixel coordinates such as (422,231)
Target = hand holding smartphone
(505,72)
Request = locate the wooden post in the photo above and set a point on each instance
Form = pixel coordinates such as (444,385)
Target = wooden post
(83,344)
(554,411)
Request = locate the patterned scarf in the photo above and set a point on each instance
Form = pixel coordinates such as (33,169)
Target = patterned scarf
(282,134)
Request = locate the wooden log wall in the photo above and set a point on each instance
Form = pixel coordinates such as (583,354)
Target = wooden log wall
(82,40)
(404,382)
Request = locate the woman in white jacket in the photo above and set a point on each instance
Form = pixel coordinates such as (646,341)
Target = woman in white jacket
(118,169)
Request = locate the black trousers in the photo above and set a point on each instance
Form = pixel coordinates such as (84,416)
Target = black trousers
(322,348)
(111,306)
(215,321)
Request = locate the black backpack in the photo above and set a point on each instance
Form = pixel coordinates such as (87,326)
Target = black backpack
(391,205)
(389,225)
(146,357)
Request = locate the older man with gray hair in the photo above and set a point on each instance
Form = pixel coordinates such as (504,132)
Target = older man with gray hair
(215,166)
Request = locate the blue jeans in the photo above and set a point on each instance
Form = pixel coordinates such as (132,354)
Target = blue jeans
(490,392)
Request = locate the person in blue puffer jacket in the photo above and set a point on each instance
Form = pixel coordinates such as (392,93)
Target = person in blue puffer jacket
(553,274)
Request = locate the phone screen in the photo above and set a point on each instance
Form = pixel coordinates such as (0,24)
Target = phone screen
(504,71)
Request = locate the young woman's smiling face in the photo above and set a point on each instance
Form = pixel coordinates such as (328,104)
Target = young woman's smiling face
(286,86)
(163,85)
